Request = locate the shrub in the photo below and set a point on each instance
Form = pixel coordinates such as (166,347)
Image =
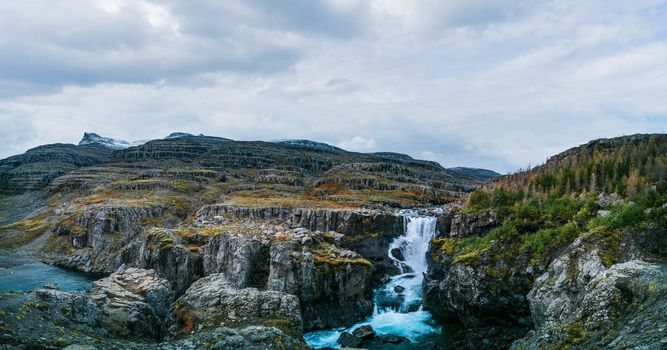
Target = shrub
(479,200)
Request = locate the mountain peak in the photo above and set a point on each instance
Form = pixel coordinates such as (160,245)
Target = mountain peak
(176,135)
(91,138)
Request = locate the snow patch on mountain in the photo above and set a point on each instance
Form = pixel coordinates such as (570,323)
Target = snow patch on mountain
(308,144)
(90,138)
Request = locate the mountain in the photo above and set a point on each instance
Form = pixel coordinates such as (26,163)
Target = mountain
(479,174)
(286,168)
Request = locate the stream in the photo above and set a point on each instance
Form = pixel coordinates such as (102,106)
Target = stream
(398,309)
(21,273)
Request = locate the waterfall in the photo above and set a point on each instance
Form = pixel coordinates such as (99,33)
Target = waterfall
(398,308)
(413,244)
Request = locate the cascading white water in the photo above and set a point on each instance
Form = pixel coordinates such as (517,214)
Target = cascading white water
(397,313)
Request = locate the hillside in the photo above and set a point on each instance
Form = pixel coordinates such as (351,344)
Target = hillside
(622,165)
(476,173)
(541,249)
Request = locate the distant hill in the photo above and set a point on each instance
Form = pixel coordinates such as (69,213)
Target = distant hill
(478,174)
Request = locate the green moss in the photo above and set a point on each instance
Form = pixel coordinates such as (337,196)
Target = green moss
(468,258)
(609,245)
(575,333)
(447,245)
(163,240)
(329,255)
(286,326)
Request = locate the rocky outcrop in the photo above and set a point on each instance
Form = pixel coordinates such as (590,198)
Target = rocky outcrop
(332,284)
(165,253)
(473,224)
(367,232)
(481,293)
(97,225)
(245,258)
(581,303)
(209,212)
(474,295)
(134,303)
(157,249)
(213,301)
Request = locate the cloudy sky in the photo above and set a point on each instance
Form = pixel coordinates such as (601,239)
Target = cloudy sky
(498,84)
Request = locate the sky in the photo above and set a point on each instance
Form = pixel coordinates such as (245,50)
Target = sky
(497,84)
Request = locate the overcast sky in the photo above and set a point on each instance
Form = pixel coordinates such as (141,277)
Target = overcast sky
(483,83)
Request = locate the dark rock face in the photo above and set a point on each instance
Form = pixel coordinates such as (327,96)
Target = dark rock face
(486,295)
(331,294)
(463,293)
(474,224)
(176,263)
(245,258)
(134,303)
(213,301)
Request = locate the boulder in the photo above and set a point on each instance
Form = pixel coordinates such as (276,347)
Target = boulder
(363,332)
(397,254)
(134,303)
(213,301)
(348,340)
